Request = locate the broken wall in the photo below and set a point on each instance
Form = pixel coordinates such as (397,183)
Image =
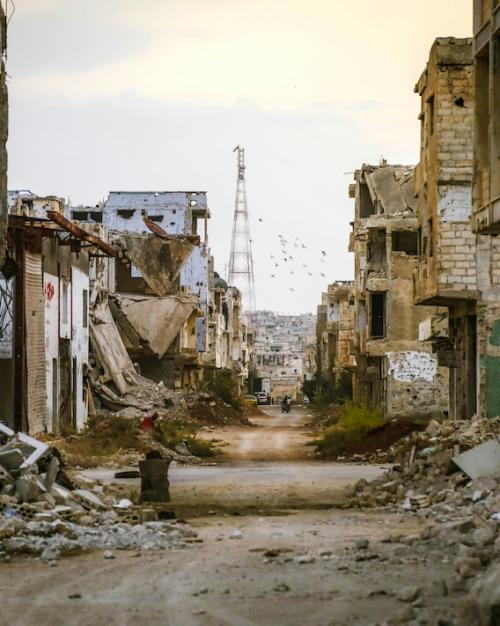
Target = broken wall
(394,370)
(3,135)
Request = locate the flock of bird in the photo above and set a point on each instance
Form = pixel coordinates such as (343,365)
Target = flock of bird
(292,263)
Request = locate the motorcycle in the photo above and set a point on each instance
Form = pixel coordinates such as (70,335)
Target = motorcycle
(285,407)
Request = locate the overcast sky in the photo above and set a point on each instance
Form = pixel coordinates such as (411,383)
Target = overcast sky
(154,94)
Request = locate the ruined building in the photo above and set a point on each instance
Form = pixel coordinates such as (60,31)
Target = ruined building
(44,300)
(486,199)
(335,333)
(394,371)
(178,321)
(486,183)
(447,274)
(3,136)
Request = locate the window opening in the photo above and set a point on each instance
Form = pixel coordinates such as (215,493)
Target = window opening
(377,315)
(405,241)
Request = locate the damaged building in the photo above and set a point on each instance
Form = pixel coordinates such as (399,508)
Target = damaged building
(457,266)
(3,136)
(44,305)
(165,275)
(447,273)
(394,370)
(486,199)
(335,334)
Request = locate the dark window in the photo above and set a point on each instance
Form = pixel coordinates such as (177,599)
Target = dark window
(377,315)
(156,218)
(85,308)
(125,213)
(430,103)
(405,241)
(81,216)
(96,216)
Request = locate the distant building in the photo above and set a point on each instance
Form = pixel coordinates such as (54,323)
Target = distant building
(335,333)
(283,352)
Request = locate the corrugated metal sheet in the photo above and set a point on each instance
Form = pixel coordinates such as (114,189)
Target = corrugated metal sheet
(36,405)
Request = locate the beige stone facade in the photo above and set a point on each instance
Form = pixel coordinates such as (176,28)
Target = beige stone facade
(458,268)
(447,269)
(486,182)
(394,372)
(335,333)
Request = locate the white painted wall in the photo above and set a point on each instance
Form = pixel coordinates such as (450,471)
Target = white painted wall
(80,334)
(51,299)
(412,366)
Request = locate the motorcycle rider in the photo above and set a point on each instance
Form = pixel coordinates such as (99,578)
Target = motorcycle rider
(285,404)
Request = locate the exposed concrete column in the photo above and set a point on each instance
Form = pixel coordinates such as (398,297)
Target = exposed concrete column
(3,134)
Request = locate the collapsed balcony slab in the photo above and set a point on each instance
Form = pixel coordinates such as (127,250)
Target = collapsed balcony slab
(150,324)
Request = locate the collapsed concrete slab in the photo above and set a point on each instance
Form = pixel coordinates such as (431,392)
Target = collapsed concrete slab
(109,350)
(159,261)
(150,324)
(483,460)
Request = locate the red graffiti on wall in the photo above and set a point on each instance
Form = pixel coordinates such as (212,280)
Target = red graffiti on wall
(49,291)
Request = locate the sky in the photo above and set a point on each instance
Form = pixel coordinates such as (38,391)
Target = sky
(155,94)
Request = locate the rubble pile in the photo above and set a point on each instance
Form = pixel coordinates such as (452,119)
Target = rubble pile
(44,512)
(191,407)
(425,474)
(460,508)
(425,442)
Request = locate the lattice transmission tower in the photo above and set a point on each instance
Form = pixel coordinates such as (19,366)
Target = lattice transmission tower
(240,272)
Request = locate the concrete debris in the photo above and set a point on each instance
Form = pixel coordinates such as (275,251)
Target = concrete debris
(483,460)
(461,515)
(40,517)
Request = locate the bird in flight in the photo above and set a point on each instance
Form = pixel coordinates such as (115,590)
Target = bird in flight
(303,246)
(273,276)
(323,252)
(260,219)
(322,274)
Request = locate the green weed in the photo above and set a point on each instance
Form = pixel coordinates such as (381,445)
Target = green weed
(354,422)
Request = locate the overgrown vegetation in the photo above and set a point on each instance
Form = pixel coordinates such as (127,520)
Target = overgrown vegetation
(224,385)
(354,422)
(328,393)
(172,434)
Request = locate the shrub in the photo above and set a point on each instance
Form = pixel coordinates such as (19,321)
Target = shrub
(224,385)
(355,422)
(329,393)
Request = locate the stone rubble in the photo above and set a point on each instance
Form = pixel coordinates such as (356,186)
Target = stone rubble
(461,516)
(40,517)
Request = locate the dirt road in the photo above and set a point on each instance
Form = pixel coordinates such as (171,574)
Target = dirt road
(266,469)
(274,552)
(278,436)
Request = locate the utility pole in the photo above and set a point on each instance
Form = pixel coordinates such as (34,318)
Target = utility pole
(240,273)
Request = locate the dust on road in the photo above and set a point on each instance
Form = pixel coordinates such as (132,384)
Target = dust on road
(275,551)
(266,469)
(277,436)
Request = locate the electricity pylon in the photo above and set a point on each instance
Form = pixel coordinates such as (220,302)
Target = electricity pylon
(240,273)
